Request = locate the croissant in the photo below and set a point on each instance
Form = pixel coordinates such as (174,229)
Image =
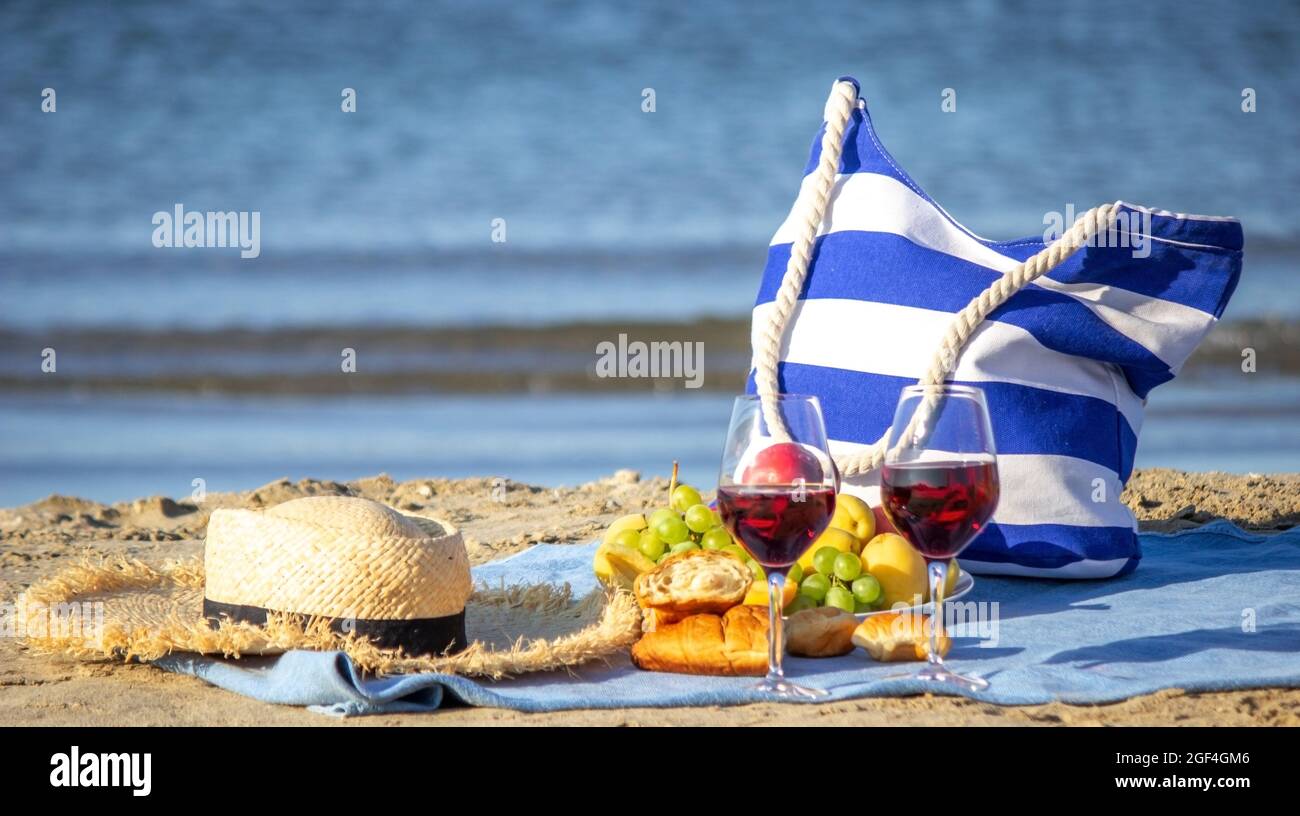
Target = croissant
(733,644)
(694,582)
(892,636)
(821,632)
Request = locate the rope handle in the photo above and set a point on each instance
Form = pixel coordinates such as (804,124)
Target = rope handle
(808,213)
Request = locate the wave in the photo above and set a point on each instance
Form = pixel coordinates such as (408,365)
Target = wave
(471,359)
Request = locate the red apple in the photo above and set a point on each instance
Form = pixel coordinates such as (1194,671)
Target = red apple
(782,464)
(883,524)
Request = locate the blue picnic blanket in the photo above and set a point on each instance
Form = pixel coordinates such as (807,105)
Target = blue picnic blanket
(1209,609)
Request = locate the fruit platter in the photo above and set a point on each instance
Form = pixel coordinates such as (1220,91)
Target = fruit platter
(701,592)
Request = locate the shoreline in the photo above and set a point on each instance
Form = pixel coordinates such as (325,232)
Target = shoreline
(39,538)
(487,359)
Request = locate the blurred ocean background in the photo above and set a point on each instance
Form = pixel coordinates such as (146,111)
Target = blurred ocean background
(475,357)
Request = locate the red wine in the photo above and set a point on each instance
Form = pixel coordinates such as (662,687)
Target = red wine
(939,506)
(776,523)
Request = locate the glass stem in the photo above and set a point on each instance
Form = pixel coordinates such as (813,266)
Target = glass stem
(938,580)
(775,628)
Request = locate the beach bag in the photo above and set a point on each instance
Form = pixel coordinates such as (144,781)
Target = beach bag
(870,286)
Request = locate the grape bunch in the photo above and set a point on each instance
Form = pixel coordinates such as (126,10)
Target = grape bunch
(686,524)
(837,579)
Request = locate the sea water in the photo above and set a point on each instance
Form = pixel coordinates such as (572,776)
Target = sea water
(115,448)
(531,116)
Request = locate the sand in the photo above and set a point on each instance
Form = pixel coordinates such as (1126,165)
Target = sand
(37,539)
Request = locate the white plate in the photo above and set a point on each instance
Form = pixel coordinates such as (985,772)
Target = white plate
(965,583)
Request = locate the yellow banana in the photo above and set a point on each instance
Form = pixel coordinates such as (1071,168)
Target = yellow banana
(634,521)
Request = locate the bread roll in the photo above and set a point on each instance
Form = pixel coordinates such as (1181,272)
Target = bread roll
(892,636)
(732,644)
(695,582)
(821,632)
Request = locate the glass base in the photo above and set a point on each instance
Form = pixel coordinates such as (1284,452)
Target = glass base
(938,674)
(780,687)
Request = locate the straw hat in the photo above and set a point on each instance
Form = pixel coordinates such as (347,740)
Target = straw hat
(326,572)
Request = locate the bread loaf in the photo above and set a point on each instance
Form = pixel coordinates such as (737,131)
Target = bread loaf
(821,632)
(893,636)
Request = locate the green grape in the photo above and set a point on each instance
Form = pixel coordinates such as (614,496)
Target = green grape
(735,550)
(685,497)
(757,570)
(650,545)
(824,560)
(859,607)
(847,566)
(716,539)
(866,589)
(672,530)
(700,518)
(652,521)
(800,603)
(684,546)
(795,575)
(815,586)
(628,538)
(840,598)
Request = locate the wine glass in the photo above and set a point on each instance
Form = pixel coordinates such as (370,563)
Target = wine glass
(776,494)
(939,487)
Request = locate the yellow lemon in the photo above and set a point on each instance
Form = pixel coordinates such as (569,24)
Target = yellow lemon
(757,595)
(898,567)
(833,537)
(854,515)
(619,565)
(601,566)
(950,585)
(954,572)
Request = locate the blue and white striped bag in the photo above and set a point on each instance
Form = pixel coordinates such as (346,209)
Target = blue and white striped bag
(1066,362)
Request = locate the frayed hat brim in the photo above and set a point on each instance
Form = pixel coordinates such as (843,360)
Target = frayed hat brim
(126,609)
